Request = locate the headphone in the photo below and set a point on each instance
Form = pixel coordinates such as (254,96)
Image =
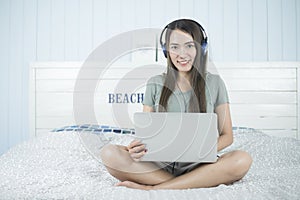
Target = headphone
(204,42)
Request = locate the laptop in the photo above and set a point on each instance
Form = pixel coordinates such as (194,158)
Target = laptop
(177,137)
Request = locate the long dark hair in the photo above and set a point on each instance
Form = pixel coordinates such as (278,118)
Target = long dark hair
(197,73)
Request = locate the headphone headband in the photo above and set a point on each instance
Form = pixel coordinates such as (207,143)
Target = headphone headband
(204,41)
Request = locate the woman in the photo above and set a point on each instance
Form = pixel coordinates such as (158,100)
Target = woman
(186,87)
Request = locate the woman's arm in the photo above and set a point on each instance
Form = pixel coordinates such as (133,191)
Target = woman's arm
(136,149)
(224,126)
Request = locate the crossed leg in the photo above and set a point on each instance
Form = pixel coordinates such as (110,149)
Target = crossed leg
(120,165)
(229,168)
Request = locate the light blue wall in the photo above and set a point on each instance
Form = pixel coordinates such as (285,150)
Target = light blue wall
(67,30)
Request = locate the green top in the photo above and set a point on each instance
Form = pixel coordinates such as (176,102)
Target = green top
(215,91)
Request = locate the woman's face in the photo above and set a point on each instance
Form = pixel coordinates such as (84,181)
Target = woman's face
(182,50)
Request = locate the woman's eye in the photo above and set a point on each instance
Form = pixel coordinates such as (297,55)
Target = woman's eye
(190,45)
(173,47)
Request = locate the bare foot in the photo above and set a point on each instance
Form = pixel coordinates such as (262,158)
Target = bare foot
(134,185)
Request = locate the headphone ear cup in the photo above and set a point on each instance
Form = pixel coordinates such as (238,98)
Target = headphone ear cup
(163,46)
(204,47)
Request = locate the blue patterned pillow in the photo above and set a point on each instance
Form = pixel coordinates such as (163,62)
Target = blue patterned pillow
(96,129)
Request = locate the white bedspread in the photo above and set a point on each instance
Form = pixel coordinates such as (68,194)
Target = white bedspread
(57,166)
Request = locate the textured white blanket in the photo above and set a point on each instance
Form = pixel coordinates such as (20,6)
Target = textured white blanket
(57,166)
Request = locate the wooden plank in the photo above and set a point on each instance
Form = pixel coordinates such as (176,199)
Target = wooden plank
(106,117)
(87,64)
(261,85)
(43,30)
(158,14)
(43,132)
(245,36)
(201,13)
(298,29)
(59,108)
(71,30)
(216,30)
(254,65)
(54,104)
(241,97)
(251,73)
(260,30)
(232,85)
(57,30)
(176,11)
(289,30)
(146,72)
(119,72)
(275,27)
(60,104)
(15,84)
(142,13)
(54,122)
(85,28)
(264,110)
(114,16)
(86,85)
(265,123)
(212,65)
(127,15)
(186,8)
(230,47)
(92,74)
(4,74)
(99,22)
(55,86)
(56,65)
(48,74)
(61,121)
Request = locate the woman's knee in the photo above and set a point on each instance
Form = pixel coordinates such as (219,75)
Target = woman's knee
(110,155)
(241,163)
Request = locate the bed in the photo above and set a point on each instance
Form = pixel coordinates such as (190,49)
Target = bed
(60,160)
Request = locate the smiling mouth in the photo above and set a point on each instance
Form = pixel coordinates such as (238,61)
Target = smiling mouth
(183,62)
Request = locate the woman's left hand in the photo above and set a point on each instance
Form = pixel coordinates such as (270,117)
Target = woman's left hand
(136,150)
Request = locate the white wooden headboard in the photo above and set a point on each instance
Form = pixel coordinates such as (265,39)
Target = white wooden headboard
(263,95)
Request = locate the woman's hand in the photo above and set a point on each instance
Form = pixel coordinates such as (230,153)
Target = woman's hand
(136,150)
